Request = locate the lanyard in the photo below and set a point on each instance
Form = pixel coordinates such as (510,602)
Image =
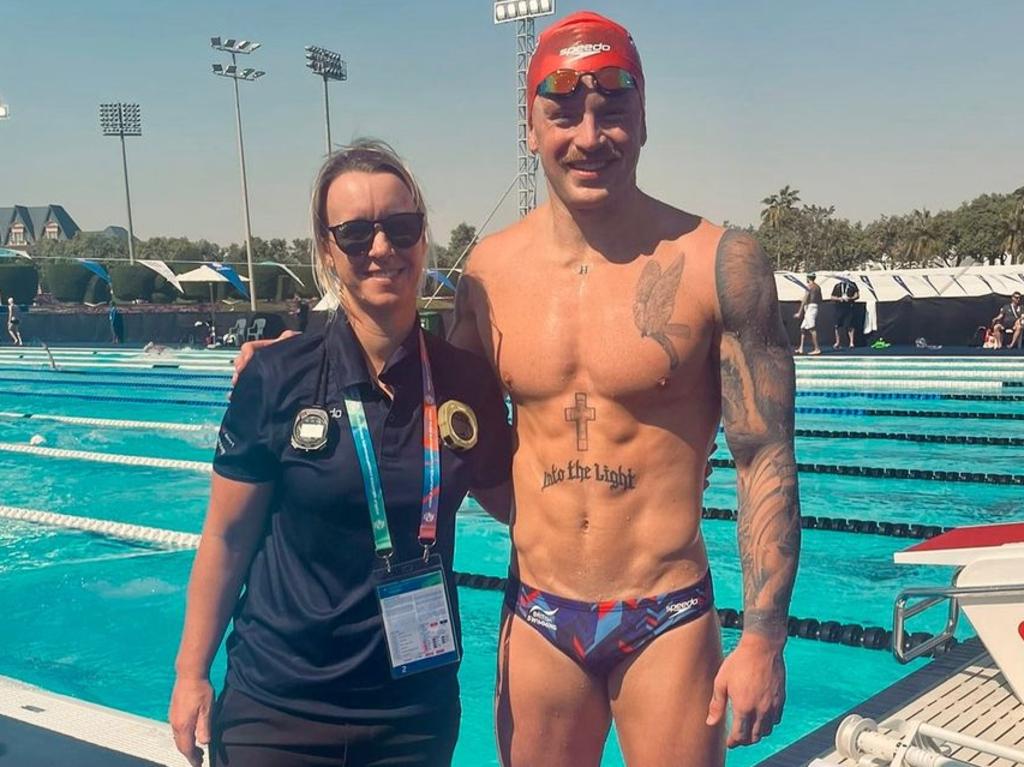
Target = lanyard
(371,476)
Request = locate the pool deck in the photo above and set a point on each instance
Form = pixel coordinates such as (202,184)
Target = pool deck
(961,691)
(43,729)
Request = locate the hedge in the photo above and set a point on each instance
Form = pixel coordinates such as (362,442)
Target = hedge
(133,282)
(71,282)
(66,280)
(20,281)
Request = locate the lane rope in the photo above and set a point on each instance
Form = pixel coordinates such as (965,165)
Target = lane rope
(121,530)
(119,374)
(204,467)
(111,398)
(890,473)
(879,413)
(846,393)
(834,632)
(842,525)
(110,423)
(133,384)
(944,439)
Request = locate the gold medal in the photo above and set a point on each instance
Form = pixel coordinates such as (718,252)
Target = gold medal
(457,424)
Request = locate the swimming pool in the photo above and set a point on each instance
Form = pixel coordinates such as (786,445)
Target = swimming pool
(98,618)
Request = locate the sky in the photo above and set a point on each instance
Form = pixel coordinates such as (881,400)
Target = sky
(875,106)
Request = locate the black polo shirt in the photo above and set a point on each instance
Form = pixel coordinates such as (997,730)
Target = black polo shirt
(307,634)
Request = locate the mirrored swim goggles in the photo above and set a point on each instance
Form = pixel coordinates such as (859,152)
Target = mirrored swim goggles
(608,81)
(355,237)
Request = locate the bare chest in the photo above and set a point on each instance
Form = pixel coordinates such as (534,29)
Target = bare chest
(618,330)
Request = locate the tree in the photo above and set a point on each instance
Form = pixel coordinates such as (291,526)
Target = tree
(922,243)
(778,206)
(883,239)
(461,243)
(1013,226)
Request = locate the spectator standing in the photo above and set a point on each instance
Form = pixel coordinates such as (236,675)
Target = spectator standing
(116,323)
(845,294)
(809,311)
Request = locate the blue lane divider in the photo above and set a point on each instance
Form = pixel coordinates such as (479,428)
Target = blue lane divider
(120,373)
(914,396)
(890,473)
(134,384)
(877,413)
(113,398)
(940,439)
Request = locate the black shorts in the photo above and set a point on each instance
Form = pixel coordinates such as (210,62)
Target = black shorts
(247,733)
(844,315)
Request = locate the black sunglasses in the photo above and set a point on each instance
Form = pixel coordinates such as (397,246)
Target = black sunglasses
(355,237)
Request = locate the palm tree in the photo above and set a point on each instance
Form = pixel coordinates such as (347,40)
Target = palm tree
(923,242)
(778,205)
(1013,226)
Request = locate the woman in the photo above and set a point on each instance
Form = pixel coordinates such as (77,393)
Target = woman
(326,432)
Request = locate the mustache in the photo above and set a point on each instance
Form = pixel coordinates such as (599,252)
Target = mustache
(574,156)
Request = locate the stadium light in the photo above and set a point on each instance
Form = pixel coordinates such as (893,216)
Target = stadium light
(120,119)
(329,66)
(515,10)
(5,111)
(235,47)
(523,12)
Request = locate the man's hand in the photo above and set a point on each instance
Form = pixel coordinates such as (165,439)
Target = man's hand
(753,678)
(191,703)
(249,348)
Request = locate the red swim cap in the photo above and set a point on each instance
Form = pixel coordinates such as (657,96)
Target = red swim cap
(584,41)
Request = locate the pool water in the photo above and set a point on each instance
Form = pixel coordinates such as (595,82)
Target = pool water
(99,619)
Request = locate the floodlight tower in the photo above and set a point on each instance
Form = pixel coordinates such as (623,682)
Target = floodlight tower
(523,12)
(328,65)
(123,120)
(234,47)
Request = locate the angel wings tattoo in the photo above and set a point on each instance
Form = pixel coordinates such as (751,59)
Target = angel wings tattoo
(655,299)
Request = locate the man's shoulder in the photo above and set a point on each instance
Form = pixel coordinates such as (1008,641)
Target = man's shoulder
(493,250)
(739,250)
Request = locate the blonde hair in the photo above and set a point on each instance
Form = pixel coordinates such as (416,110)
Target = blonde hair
(365,155)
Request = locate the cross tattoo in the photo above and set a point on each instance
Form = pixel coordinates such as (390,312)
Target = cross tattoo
(581,414)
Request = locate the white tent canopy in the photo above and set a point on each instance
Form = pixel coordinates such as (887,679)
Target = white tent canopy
(895,284)
(205,274)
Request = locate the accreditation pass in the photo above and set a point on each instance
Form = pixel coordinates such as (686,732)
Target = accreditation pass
(417,621)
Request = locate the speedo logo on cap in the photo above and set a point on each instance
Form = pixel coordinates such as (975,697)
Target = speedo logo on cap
(582,50)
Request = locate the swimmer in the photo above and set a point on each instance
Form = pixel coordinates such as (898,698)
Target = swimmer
(650,325)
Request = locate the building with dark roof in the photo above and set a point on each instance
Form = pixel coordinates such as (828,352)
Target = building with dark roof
(22,225)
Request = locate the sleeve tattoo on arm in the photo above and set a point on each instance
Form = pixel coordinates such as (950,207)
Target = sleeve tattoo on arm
(757,411)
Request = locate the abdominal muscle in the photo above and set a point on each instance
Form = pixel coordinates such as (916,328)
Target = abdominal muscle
(619,519)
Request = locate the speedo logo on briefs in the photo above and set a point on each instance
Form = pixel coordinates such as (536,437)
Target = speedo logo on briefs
(538,616)
(682,607)
(582,50)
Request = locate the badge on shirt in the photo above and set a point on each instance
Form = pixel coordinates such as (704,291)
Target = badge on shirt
(417,617)
(309,431)
(457,424)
